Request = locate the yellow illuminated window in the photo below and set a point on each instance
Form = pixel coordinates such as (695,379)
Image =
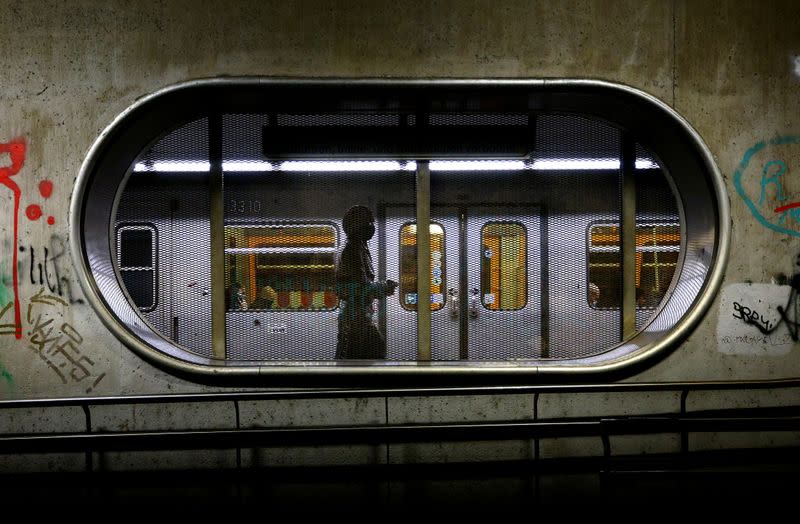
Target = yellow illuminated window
(504,280)
(408,267)
(657,250)
(289,266)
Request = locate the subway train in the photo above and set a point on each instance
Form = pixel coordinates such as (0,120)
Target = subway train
(584,261)
(518,230)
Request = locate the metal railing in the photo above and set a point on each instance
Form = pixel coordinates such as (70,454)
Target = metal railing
(682,422)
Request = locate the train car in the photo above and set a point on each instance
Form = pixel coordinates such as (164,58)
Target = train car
(519,230)
(584,248)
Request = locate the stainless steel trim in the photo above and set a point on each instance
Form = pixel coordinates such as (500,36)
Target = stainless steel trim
(704,264)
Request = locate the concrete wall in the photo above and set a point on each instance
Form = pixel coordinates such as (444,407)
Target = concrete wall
(730,67)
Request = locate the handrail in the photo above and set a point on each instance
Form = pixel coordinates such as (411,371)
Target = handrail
(394,433)
(682,422)
(388,433)
(307,394)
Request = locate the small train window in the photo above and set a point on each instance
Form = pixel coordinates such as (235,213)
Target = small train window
(657,250)
(136,253)
(504,272)
(408,267)
(286,266)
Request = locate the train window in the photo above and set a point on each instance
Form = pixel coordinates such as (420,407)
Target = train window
(207,223)
(283,266)
(504,272)
(408,267)
(657,250)
(136,253)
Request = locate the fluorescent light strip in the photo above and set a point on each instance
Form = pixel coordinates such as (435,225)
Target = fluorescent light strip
(267,250)
(355,165)
(477,165)
(176,166)
(586,164)
(243,166)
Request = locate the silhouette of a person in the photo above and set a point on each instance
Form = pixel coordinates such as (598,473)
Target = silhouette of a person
(238,299)
(594,294)
(267,298)
(358,336)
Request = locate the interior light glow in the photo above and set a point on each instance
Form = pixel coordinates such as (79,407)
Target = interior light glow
(345,165)
(243,166)
(476,165)
(586,164)
(174,166)
(575,164)
(646,164)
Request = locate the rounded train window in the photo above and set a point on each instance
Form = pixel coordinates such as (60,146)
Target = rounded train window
(297,228)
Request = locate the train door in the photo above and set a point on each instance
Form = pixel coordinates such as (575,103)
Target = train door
(485,282)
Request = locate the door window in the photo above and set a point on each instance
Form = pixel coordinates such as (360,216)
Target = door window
(504,272)
(408,267)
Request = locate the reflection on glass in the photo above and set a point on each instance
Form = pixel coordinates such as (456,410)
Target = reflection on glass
(283,266)
(504,281)
(408,267)
(657,250)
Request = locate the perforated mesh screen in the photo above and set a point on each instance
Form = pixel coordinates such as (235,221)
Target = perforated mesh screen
(583,188)
(168,190)
(525,261)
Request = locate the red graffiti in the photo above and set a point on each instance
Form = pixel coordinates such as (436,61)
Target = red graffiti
(16,151)
(33,212)
(781,209)
(46,188)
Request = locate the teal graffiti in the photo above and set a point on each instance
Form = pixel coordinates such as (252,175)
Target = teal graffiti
(5,279)
(773,179)
(4,374)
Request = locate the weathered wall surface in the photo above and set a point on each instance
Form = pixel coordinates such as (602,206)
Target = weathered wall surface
(731,68)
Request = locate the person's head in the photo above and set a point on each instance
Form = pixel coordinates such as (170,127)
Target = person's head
(267,296)
(641,297)
(358,223)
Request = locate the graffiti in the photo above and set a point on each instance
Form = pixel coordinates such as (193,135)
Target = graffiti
(16,152)
(43,268)
(788,315)
(772,180)
(772,309)
(763,182)
(59,345)
(751,317)
(758,319)
(755,340)
(34,211)
(5,375)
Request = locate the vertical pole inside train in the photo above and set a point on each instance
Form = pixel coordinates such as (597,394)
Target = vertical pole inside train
(423,260)
(628,234)
(544,250)
(463,286)
(217,237)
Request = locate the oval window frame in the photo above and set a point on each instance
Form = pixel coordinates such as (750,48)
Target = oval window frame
(707,226)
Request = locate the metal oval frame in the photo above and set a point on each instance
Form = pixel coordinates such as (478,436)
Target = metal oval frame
(90,244)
